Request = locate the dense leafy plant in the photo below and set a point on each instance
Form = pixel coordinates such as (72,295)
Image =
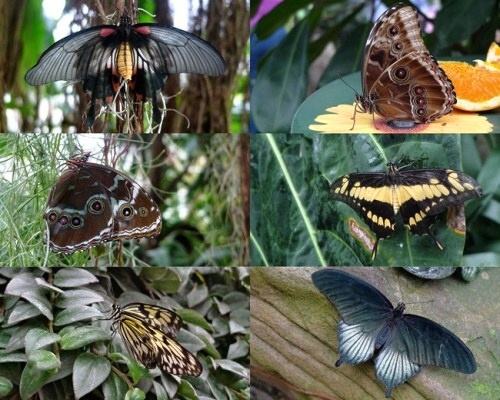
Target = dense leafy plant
(50,348)
(294,220)
(333,33)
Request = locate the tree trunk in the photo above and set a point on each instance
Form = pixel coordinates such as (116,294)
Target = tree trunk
(294,335)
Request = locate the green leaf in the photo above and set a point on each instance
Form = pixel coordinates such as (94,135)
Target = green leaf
(78,297)
(238,350)
(281,83)
(6,386)
(21,312)
(33,377)
(452,24)
(194,317)
(43,360)
(12,357)
(197,295)
(135,394)
(114,387)
(187,390)
(278,17)
(82,336)
(89,372)
(24,285)
(73,277)
(37,338)
(74,314)
(232,366)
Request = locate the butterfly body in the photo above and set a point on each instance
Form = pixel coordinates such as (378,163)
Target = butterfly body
(91,204)
(402,82)
(415,196)
(148,332)
(143,55)
(400,343)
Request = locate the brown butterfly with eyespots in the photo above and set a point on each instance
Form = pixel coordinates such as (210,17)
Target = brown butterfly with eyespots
(402,82)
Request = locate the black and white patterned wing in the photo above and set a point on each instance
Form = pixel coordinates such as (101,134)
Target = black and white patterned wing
(364,311)
(80,56)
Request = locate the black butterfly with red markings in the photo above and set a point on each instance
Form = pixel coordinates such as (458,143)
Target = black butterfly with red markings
(111,59)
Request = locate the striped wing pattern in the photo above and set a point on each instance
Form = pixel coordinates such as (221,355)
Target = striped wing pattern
(417,195)
(148,336)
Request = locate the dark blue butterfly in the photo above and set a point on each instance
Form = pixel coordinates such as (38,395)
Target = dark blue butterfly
(401,343)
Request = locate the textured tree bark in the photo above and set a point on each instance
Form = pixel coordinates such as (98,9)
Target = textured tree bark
(208,100)
(11,17)
(294,341)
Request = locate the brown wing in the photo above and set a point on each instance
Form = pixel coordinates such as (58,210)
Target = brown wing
(395,34)
(78,213)
(413,88)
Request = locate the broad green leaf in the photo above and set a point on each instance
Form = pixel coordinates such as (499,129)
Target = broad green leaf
(37,338)
(82,336)
(6,386)
(238,349)
(33,377)
(25,286)
(135,394)
(233,367)
(73,314)
(281,83)
(114,387)
(22,311)
(187,391)
(73,277)
(278,17)
(12,357)
(193,317)
(198,293)
(78,297)
(89,371)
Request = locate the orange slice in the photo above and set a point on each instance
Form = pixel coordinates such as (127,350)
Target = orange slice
(477,88)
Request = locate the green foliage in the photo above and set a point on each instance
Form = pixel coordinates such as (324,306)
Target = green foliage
(78,357)
(198,228)
(461,28)
(294,221)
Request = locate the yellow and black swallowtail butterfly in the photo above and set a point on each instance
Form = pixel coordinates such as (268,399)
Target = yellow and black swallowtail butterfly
(417,195)
(148,332)
(141,55)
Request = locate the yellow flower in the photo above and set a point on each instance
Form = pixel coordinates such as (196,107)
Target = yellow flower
(339,119)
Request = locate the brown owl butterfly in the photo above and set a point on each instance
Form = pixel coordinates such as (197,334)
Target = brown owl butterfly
(402,82)
(91,204)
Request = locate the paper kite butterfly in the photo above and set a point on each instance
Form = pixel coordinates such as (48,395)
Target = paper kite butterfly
(416,195)
(148,332)
(125,58)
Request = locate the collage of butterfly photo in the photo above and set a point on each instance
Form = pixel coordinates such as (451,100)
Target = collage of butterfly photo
(250,199)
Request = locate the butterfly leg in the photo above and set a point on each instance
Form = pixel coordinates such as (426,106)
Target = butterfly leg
(374,250)
(438,244)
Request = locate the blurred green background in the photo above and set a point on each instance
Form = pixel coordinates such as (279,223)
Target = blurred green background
(301,45)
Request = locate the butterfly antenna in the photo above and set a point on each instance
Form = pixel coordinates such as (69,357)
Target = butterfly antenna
(354,90)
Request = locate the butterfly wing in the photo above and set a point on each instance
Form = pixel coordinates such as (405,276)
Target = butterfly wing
(78,213)
(364,311)
(124,211)
(413,88)
(401,80)
(79,56)
(371,196)
(417,341)
(168,50)
(424,193)
(154,348)
(159,317)
(396,33)
(135,214)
